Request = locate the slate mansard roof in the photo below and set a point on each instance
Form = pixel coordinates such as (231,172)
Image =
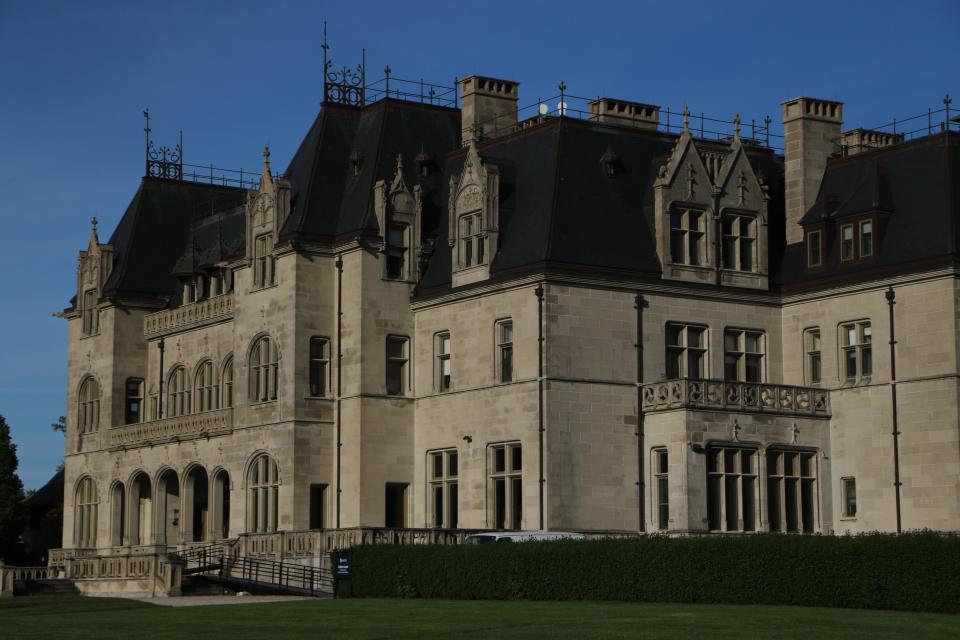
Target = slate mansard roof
(558,210)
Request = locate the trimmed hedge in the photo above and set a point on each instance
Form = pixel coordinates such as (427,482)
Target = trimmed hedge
(911,572)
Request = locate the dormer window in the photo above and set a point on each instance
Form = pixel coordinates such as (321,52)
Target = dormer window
(739,242)
(687,237)
(397,247)
(846,242)
(264,263)
(814,249)
(866,238)
(471,240)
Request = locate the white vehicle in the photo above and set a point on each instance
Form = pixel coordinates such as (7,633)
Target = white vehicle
(522,536)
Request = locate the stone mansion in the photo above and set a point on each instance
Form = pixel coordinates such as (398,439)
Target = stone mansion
(444,314)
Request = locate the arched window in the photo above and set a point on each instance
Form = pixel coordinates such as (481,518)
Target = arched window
(264,366)
(206,385)
(85,514)
(178,393)
(118,513)
(88,406)
(227,378)
(263,481)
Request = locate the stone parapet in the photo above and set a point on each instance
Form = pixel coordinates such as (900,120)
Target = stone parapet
(736,396)
(189,316)
(195,425)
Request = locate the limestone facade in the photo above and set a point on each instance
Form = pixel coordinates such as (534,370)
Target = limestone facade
(541,399)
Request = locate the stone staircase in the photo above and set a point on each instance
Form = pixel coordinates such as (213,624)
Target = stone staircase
(45,587)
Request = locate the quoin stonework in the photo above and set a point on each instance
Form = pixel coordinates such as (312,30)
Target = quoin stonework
(447,314)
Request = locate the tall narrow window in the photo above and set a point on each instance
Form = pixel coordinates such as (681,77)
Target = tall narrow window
(856,350)
(319,366)
(227,378)
(506,485)
(791,491)
(743,355)
(206,387)
(395,505)
(263,482)
(811,346)
(264,262)
(504,330)
(846,242)
(814,249)
(739,242)
(687,238)
(88,406)
(264,370)
(442,373)
(849,488)
(397,357)
(189,290)
(91,315)
(686,351)
(471,240)
(85,514)
(133,403)
(397,251)
(443,489)
(731,489)
(178,393)
(866,238)
(662,487)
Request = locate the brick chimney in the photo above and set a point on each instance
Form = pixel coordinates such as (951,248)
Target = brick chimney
(625,114)
(488,108)
(811,134)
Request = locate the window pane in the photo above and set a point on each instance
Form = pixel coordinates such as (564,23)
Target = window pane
(866,367)
(731,341)
(506,332)
(730,366)
(846,242)
(499,459)
(807,506)
(753,342)
(695,364)
(754,368)
(516,495)
(676,220)
(674,334)
(729,253)
(437,459)
(453,506)
(673,361)
(452,464)
(677,244)
(850,497)
(746,254)
(731,500)
(506,364)
(713,502)
(849,335)
(499,503)
(515,458)
(694,337)
(438,505)
(695,247)
(395,347)
(662,461)
(815,374)
(748,507)
(663,503)
(866,238)
(850,356)
(773,503)
(790,504)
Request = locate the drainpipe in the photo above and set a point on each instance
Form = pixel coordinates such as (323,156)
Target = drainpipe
(891,300)
(718,234)
(160,393)
(641,485)
(539,293)
(339,265)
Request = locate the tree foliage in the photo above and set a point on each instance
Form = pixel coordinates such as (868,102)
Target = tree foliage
(12,513)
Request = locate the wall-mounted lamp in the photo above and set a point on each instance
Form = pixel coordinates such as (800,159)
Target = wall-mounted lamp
(468,439)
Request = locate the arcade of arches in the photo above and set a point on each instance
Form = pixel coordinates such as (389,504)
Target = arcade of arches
(170,509)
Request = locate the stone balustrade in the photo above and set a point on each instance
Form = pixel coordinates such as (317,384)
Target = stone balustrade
(188,316)
(195,425)
(736,396)
(289,544)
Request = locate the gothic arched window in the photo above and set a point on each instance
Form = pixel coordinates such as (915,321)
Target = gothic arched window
(263,482)
(85,514)
(264,367)
(88,406)
(178,393)
(206,387)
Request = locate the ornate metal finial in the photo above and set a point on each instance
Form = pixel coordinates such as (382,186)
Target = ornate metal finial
(736,126)
(686,119)
(93,224)
(346,86)
(266,159)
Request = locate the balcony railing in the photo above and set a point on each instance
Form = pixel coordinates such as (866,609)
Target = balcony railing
(181,427)
(188,316)
(736,396)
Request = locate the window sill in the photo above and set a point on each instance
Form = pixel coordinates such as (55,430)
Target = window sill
(845,519)
(263,403)
(89,335)
(314,398)
(256,288)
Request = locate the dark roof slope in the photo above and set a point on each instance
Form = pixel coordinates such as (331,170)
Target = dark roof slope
(909,189)
(150,238)
(328,200)
(559,208)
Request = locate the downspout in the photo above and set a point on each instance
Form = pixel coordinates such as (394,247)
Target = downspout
(641,485)
(718,236)
(539,293)
(160,393)
(891,300)
(339,265)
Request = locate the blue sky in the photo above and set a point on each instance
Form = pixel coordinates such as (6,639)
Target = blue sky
(237,75)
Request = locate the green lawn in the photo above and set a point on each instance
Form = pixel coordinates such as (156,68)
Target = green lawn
(47,617)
